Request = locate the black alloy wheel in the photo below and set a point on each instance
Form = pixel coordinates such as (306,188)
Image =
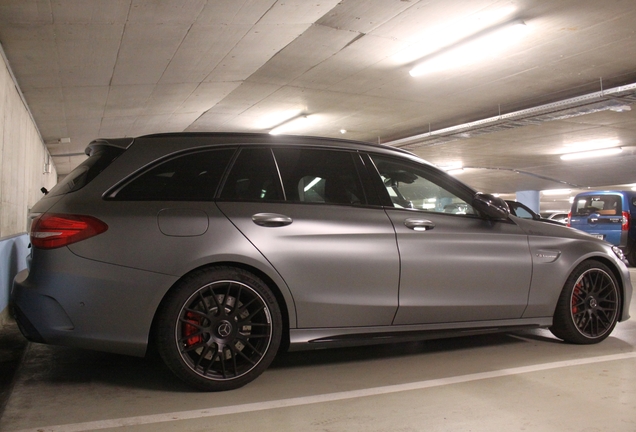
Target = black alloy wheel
(219,329)
(588,308)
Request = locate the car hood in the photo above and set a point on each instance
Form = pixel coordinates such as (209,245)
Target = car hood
(539,228)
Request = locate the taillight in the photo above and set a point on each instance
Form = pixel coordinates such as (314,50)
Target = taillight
(569,218)
(51,231)
(625,225)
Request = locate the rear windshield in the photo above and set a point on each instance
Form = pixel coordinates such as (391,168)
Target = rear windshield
(605,205)
(99,159)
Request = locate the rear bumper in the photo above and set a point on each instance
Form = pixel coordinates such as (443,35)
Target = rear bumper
(88,304)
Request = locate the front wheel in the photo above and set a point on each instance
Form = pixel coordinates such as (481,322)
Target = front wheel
(587,310)
(219,328)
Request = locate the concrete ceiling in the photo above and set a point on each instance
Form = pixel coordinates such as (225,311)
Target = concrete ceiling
(112,68)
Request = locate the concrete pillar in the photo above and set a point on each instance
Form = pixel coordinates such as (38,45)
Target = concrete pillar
(530,198)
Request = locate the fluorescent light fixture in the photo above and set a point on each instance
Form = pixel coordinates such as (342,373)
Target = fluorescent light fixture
(455,171)
(473,49)
(343,131)
(592,154)
(293,123)
(451,166)
(556,191)
(312,183)
(596,144)
(448,33)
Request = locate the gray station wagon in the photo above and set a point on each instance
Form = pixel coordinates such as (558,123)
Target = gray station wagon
(221,249)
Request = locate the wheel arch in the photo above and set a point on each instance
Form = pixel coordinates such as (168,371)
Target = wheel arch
(283,303)
(619,279)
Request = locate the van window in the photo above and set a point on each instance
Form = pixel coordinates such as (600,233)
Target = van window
(605,205)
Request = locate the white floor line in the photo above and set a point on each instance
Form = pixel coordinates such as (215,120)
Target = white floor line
(329,397)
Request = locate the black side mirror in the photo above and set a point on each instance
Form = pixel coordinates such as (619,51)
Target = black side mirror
(491,206)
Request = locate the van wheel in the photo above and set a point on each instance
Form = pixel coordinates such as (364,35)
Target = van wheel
(587,310)
(631,257)
(219,328)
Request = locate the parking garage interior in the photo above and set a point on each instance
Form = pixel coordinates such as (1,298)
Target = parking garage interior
(559,80)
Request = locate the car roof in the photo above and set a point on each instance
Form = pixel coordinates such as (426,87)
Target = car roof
(205,139)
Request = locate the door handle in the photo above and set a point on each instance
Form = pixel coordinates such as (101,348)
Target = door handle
(419,224)
(271,220)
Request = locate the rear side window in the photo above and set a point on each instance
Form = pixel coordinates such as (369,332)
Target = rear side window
(253,177)
(190,177)
(319,176)
(99,159)
(605,205)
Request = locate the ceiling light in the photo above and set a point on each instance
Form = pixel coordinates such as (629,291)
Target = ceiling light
(591,145)
(293,123)
(621,108)
(343,131)
(470,50)
(556,191)
(455,171)
(451,166)
(592,154)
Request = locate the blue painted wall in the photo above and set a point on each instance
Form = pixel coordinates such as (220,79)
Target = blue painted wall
(13,253)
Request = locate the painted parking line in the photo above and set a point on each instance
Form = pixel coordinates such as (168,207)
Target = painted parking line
(329,397)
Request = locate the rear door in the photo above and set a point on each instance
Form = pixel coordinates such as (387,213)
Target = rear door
(600,215)
(455,265)
(336,252)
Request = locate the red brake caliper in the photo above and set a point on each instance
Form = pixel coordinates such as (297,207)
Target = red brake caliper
(575,295)
(190,329)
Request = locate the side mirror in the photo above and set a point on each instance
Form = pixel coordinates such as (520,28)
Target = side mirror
(491,206)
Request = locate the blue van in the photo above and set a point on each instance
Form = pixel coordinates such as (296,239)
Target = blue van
(608,215)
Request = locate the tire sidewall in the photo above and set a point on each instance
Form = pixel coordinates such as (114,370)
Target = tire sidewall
(564,326)
(172,306)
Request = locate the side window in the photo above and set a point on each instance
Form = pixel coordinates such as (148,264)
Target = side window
(253,177)
(412,187)
(189,177)
(522,213)
(319,176)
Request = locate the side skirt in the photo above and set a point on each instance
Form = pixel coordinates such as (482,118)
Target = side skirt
(308,339)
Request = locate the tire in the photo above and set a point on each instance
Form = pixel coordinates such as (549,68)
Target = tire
(219,329)
(631,257)
(588,307)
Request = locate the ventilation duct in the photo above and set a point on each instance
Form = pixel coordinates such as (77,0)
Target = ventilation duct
(615,99)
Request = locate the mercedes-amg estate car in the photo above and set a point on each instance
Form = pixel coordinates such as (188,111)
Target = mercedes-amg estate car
(221,249)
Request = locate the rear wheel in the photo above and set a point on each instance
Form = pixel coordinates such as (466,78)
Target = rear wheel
(587,310)
(219,329)
(631,257)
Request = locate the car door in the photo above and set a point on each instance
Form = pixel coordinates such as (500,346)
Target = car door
(336,252)
(455,265)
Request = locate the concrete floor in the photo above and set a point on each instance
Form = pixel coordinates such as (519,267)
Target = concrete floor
(526,381)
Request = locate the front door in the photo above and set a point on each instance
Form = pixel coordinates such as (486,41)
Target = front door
(455,265)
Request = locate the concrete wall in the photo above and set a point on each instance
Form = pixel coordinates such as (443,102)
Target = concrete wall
(22,159)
